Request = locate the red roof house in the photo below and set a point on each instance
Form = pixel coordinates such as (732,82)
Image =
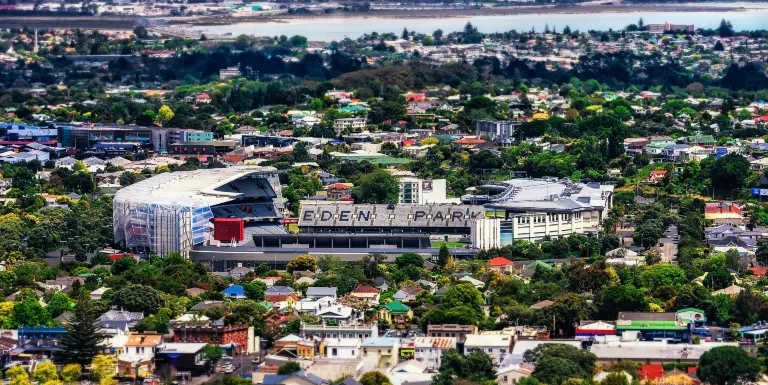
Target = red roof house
(651,372)
(499,263)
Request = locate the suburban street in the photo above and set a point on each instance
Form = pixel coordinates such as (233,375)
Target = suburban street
(668,244)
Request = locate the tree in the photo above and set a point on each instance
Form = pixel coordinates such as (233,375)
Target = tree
(213,352)
(255,290)
(17,376)
(28,311)
(409,259)
(555,370)
(375,377)
(288,368)
(615,378)
(583,359)
(84,336)
(141,32)
(727,365)
(302,263)
(123,264)
(72,374)
(378,186)
(404,35)
(443,256)
(622,298)
(45,372)
(761,255)
(665,274)
(138,298)
(164,115)
(730,171)
(103,369)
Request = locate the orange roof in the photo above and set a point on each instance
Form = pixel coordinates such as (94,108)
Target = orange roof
(144,340)
(651,371)
(339,186)
(468,141)
(365,289)
(499,261)
(659,172)
(436,342)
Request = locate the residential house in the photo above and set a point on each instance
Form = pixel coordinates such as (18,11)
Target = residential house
(451,330)
(395,312)
(367,294)
(656,175)
(340,314)
(476,283)
(344,348)
(498,347)
(512,374)
(431,287)
(407,294)
(429,350)
(321,292)
(500,264)
(286,346)
(120,319)
(298,378)
(138,357)
(381,283)
(381,351)
(282,290)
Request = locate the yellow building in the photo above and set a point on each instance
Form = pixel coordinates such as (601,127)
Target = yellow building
(395,312)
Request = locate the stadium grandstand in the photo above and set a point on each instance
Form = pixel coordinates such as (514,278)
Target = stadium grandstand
(369,218)
(172,212)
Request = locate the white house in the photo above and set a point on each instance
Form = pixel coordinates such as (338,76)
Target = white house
(344,348)
(510,375)
(381,351)
(498,347)
(476,283)
(429,350)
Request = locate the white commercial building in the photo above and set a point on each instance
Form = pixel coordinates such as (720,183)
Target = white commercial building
(350,124)
(485,233)
(429,350)
(423,191)
(498,347)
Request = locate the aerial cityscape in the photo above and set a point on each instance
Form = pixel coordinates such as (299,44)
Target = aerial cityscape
(549,192)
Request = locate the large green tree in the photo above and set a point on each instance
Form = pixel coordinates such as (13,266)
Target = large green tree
(728,365)
(378,186)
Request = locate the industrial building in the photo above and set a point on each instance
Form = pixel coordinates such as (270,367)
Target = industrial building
(171,212)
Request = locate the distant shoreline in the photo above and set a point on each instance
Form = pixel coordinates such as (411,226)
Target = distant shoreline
(460,13)
(123,23)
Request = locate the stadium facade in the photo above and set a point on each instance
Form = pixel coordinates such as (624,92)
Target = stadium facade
(172,212)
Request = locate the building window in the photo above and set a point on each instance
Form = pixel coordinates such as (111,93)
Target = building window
(490,350)
(334,352)
(504,379)
(502,351)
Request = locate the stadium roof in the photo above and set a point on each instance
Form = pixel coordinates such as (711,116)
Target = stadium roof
(192,186)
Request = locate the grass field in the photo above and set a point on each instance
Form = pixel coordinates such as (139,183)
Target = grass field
(450,245)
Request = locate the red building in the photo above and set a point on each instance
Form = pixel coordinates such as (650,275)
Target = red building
(233,337)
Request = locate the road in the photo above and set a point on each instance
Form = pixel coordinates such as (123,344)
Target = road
(242,364)
(668,244)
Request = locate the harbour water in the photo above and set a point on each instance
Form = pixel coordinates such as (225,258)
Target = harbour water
(338,28)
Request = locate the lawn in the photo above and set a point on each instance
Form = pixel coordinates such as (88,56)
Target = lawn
(450,245)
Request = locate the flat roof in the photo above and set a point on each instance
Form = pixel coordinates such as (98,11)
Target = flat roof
(197,186)
(181,347)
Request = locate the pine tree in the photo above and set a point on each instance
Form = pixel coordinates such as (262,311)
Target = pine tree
(84,337)
(405,34)
(442,257)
